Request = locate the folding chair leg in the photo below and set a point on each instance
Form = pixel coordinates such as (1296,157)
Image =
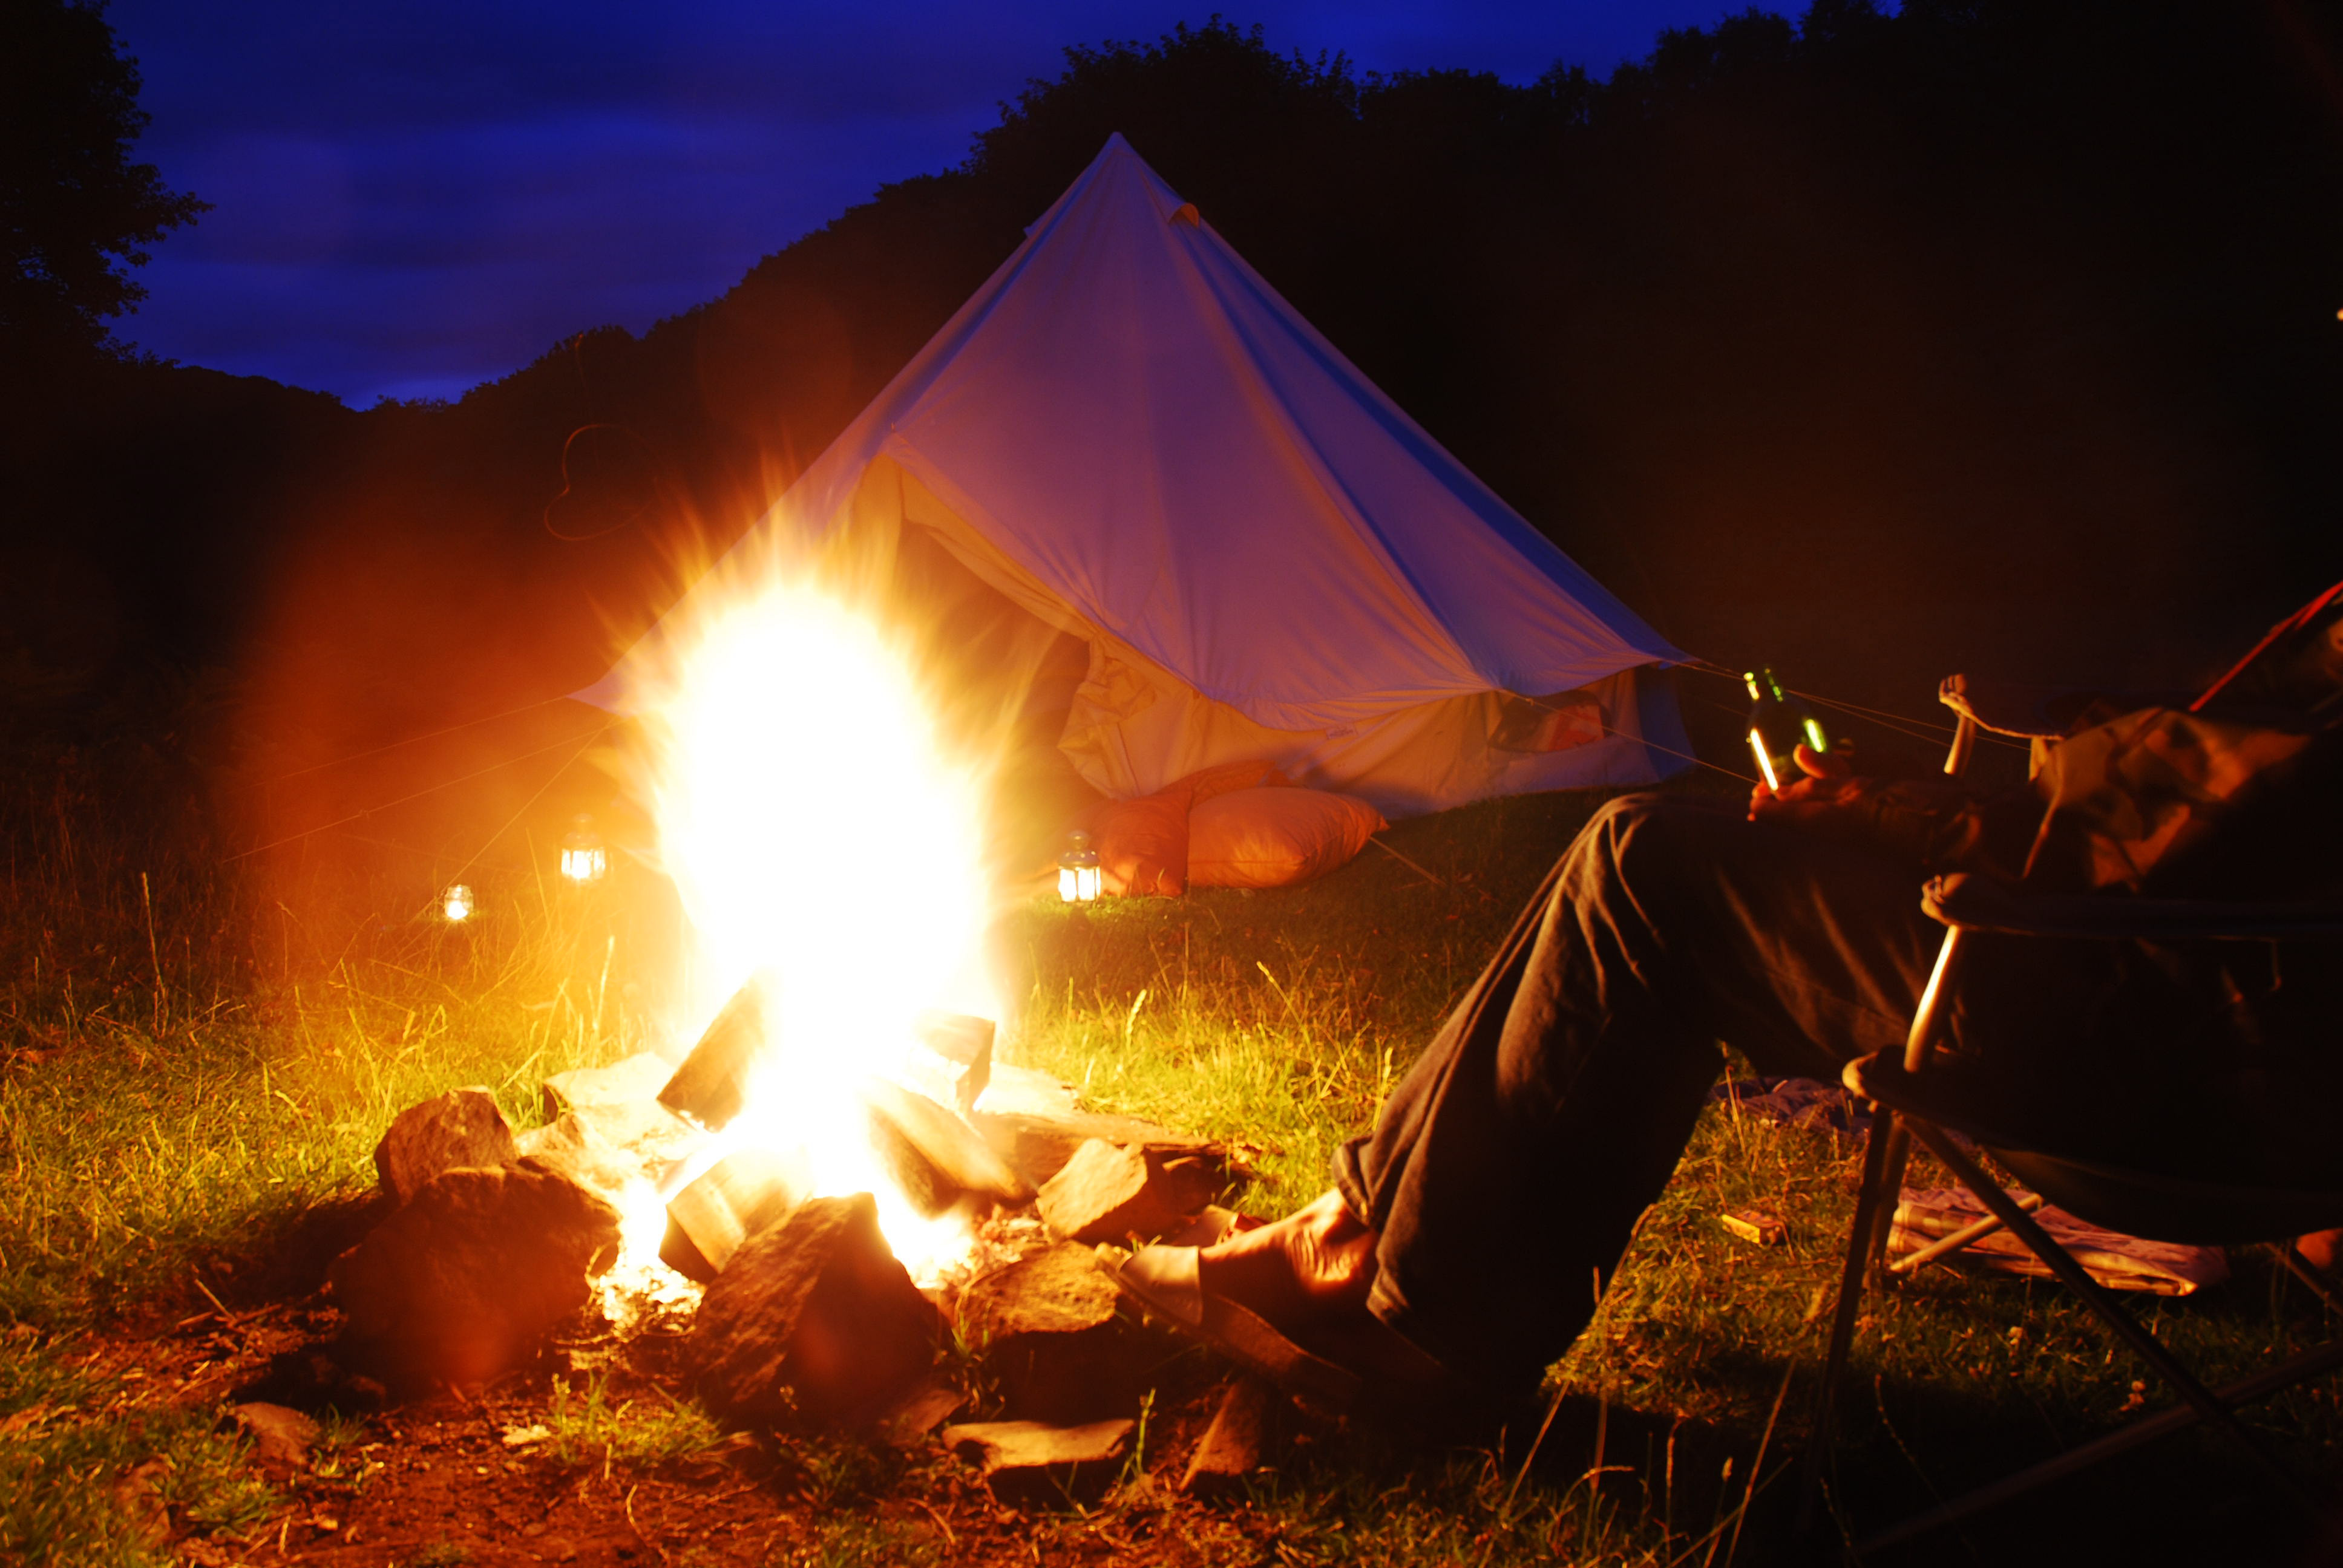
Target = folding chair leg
(2097,1297)
(1891,1189)
(2124,1439)
(1878,1147)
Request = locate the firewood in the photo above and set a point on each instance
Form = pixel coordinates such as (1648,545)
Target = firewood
(952,1063)
(729,1202)
(929,1190)
(951,1147)
(712,1084)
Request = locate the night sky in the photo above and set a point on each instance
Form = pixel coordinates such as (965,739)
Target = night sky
(412,196)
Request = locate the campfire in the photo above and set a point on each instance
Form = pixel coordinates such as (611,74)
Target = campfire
(839,1160)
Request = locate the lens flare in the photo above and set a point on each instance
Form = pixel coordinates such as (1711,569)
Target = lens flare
(813,826)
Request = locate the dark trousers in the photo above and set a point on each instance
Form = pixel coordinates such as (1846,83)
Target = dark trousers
(1506,1171)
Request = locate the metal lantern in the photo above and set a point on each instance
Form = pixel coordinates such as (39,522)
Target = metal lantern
(1078,870)
(456,903)
(583,858)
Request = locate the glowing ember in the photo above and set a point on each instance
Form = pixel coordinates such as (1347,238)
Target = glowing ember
(813,827)
(638,1282)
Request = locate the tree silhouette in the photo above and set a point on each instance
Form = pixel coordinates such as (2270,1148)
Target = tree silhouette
(76,213)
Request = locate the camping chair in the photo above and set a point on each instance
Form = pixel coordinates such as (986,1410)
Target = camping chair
(2158,1207)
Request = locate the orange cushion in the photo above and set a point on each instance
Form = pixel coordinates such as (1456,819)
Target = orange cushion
(1143,844)
(1274,838)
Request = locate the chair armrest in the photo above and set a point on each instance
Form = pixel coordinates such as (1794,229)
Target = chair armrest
(1973,903)
(2041,713)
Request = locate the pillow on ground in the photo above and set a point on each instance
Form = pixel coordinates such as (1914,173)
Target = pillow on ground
(1143,844)
(1274,838)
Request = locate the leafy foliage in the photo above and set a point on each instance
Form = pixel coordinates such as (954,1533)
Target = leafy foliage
(75,210)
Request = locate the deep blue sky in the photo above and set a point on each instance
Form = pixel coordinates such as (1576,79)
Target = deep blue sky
(415,196)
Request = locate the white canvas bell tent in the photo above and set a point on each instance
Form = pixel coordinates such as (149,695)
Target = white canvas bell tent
(1127,433)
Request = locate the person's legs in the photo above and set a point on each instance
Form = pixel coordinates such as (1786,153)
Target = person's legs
(1507,1169)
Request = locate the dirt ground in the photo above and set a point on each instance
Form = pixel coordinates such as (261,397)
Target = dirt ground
(457,1475)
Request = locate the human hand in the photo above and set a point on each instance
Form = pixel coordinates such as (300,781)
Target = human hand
(1827,783)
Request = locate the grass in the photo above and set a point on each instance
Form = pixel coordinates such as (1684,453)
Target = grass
(193,1076)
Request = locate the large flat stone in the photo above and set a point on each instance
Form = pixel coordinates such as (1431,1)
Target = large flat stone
(1108,1192)
(1027,1462)
(1038,1143)
(571,1145)
(467,1277)
(638,1077)
(461,1128)
(812,1321)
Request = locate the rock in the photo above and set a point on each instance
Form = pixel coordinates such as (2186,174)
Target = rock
(461,1128)
(1049,1334)
(1029,1462)
(1011,1090)
(731,1201)
(907,1422)
(644,1129)
(1108,1192)
(571,1146)
(281,1437)
(952,1063)
(469,1276)
(1232,1447)
(640,1077)
(1039,1145)
(812,1321)
(951,1146)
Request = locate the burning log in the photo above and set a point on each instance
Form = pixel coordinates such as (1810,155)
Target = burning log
(712,1084)
(952,1064)
(951,1148)
(470,1275)
(924,1187)
(462,1127)
(728,1203)
(1108,1192)
(813,1319)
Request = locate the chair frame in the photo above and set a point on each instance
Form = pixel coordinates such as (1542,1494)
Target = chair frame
(1966,906)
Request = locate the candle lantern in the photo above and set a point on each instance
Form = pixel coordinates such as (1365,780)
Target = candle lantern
(1078,870)
(583,858)
(456,903)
